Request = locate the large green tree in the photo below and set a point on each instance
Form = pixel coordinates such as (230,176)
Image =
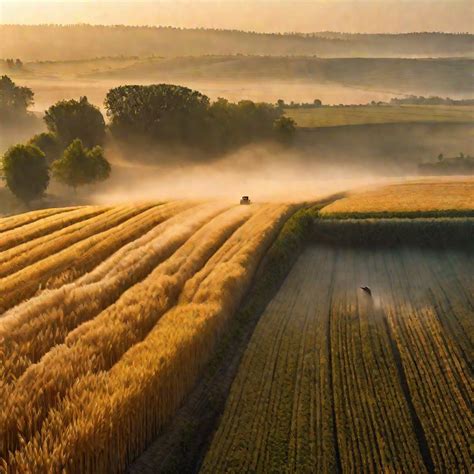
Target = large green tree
(178,116)
(162,112)
(26,172)
(14,100)
(71,119)
(79,166)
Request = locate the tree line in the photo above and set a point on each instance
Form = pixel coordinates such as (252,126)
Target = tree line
(154,115)
(432,100)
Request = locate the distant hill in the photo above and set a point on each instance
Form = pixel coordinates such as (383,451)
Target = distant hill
(443,76)
(52,42)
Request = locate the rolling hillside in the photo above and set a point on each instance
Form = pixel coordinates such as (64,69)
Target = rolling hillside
(55,42)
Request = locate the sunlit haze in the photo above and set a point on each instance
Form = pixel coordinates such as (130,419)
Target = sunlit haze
(256,15)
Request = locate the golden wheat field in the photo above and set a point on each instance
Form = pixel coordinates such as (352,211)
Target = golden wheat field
(107,317)
(439,196)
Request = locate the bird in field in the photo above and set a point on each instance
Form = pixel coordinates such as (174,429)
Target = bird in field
(366,289)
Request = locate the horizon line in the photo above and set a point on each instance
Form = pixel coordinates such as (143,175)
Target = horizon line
(202,28)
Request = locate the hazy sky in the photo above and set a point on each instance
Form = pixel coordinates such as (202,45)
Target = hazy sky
(257,15)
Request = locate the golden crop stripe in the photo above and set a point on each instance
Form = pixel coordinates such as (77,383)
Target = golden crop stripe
(25,254)
(179,336)
(47,226)
(25,282)
(17,221)
(218,229)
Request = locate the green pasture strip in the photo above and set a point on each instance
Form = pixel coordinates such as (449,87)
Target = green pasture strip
(362,115)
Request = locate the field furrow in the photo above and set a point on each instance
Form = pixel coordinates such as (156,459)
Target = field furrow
(20,220)
(151,386)
(400,384)
(75,260)
(20,256)
(46,227)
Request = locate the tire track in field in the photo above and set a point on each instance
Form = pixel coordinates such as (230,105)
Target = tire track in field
(417,426)
(331,364)
(386,385)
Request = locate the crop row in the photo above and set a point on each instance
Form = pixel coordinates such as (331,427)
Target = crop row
(17,221)
(136,343)
(429,353)
(27,253)
(47,226)
(70,262)
(29,330)
(336,380)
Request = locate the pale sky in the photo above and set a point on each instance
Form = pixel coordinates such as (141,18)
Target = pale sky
(256,15)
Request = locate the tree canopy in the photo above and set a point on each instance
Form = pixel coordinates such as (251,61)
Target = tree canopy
(14,100)
(79,166)
(165,112)
(26,171)
(174,115)
(48,143)
(71,119)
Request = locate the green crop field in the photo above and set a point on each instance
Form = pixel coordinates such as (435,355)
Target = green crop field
(335,380)
(361,115)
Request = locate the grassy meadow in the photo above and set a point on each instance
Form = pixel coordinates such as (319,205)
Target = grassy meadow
(361,115)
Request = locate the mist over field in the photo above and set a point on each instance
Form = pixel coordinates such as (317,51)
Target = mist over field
(319,163)
(265,173)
